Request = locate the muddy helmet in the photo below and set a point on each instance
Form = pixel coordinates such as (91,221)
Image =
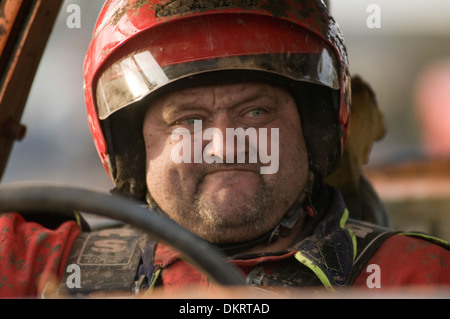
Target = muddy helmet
(142,49)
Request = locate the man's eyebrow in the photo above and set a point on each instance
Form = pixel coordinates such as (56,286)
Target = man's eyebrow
(173,109)
(258,95)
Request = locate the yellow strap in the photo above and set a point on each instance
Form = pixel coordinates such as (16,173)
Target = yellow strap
(342,223)
(77,216)
(153,283)
(316,269)
(428,237)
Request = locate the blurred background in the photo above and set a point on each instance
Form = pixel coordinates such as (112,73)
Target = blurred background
(404,54)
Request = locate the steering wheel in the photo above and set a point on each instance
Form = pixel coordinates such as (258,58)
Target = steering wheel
(28,198)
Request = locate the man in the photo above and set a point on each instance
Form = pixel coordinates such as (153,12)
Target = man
(226,116)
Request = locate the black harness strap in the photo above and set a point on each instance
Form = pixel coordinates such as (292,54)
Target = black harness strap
(106,260)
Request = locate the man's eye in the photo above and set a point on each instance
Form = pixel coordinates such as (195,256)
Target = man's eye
(256,112)
(188,121)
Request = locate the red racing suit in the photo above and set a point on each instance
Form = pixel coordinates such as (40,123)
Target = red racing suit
(31,255)
(333,252)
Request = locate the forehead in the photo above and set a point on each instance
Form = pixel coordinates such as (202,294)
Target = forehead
(221,94)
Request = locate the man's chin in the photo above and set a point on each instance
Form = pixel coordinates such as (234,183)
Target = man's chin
(230,214)
(231,235)
(233,204)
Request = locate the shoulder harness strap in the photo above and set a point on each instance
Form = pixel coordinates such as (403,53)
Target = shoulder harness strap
(369,238)
(105,260)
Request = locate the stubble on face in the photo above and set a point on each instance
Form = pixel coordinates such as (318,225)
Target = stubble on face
(235,218)
(231,219)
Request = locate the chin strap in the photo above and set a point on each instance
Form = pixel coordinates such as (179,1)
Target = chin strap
(300,209)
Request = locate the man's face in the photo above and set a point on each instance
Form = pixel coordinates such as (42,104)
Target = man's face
(229,201)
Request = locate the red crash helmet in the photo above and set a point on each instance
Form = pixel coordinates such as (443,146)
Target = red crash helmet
(141,49)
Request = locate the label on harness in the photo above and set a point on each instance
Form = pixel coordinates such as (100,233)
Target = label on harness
(108,247)
(108,261)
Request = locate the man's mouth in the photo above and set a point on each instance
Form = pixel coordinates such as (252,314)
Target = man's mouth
(224,176)
(232,170)
(254,168)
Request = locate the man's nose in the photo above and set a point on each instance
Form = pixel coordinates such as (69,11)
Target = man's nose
(219,141)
